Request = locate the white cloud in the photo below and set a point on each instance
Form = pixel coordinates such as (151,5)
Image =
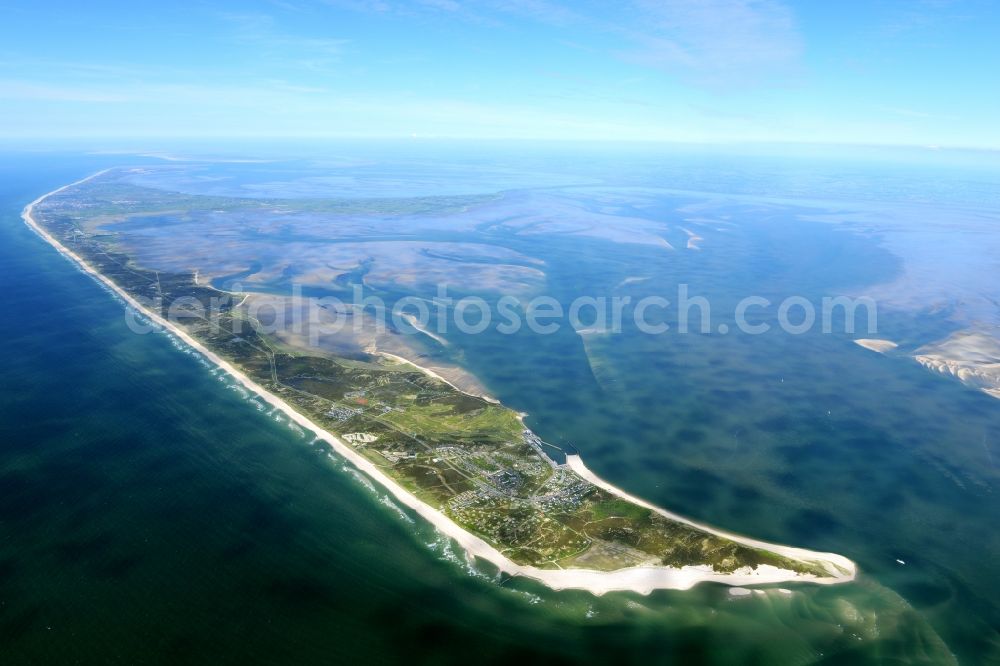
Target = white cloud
(716,42)
(25,91)
(908,113)
(706,42)
(259,30)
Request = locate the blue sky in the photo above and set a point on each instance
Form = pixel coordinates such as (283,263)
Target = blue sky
(909,72)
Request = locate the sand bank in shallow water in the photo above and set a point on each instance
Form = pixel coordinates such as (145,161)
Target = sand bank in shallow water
(971,356)
(693,239)
(880,346)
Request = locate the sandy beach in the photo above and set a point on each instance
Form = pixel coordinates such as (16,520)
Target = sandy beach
(838,561)
(430,373)
(637,579)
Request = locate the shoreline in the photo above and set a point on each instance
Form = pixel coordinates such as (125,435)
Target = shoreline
(642,580)
(431,373)
(575,462)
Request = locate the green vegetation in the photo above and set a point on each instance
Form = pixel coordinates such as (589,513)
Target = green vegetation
(108,198)
(468,457)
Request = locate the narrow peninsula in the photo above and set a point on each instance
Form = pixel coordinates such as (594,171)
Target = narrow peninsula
(463,462)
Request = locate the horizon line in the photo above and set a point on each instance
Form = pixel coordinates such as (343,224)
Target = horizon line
(223,138)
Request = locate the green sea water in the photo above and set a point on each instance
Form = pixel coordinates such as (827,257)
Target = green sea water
(150,513)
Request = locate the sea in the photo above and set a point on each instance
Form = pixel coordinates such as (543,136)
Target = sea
(153,512)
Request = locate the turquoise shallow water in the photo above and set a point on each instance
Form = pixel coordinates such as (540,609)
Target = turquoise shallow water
(150,513)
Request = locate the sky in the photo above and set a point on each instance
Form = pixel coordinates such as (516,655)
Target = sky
(908,72)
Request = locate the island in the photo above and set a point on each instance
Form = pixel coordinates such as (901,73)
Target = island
(462,461)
